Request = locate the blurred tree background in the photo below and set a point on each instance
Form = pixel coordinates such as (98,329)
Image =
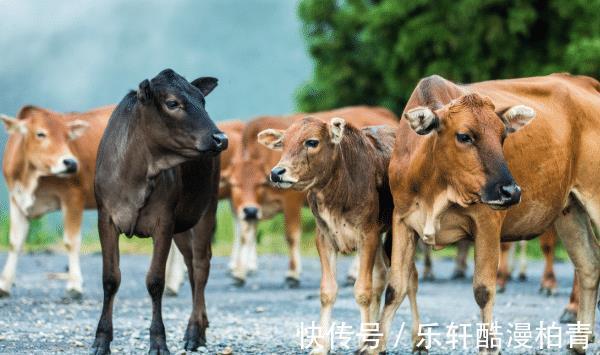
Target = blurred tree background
(374,52)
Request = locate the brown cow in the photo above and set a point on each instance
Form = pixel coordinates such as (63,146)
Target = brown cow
(254,199)
(449,167)
(49,164)
(175,266)
(344,171)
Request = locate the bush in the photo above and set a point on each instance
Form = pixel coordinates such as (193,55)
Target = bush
(374,52)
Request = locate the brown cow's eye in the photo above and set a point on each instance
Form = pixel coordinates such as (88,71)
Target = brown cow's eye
(311,143)
(40,135)
(464,138)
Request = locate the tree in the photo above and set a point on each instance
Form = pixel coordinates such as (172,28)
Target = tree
(374,52)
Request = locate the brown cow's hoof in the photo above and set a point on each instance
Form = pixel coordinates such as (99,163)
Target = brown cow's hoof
(74,294)
(522,277)
(568,316)
(238,282)
(548,291)
(4,294)
(458,275)
(501,289)
(291,282)
(194,338)
(350,281)
(428,277)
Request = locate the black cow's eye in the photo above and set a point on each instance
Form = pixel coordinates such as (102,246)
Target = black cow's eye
(464,138)
(40,135)
(171,104)
(311,143)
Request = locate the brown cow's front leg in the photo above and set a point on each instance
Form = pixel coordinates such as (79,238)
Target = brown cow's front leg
(504,274)
(487,247)
(402,280)
(195,334)
(73,214)
(329,288)
(548,243)
(363,288)
(155,283)
(427,262)
(570,313)
(111,279)
(293,233)
(460,263)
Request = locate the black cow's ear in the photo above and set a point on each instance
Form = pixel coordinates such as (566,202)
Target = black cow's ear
(206,84)
(144,93)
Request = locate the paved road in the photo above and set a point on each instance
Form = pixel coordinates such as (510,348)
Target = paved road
(261,318)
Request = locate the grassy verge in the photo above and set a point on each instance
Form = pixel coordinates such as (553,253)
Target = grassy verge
(45,235)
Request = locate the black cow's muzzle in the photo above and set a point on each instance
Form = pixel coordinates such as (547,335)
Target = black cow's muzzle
(220,141)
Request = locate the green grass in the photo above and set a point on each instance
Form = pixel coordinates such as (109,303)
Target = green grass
(44,236)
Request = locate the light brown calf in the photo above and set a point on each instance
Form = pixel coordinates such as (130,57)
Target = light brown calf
(255,199)
(175,270)
(49,164)
(344,171)
(455,157)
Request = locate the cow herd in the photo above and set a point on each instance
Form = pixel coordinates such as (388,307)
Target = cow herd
(482,164)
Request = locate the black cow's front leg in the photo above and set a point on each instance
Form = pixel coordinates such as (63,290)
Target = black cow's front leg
(195,334)
(155,283)
(111,279)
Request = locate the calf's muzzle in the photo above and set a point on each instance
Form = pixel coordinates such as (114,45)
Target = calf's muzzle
(276,174)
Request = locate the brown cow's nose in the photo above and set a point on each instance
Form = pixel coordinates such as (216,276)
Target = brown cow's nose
(221,141)
(510,194)
(70,165)
(276,173)
(250,213)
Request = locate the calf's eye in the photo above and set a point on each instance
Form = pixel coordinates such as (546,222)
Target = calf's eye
(464,138)
(40,135)
(311,143)
(171,104)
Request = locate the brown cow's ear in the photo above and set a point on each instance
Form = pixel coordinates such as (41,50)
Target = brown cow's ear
(336,128)
(517,117)
(13,125)
(144,93)
(422,120)
(206,84)
(77,128)
(271,138)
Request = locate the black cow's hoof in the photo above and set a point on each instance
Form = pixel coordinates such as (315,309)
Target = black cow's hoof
(194,338)
(522,277)
(100,347)
(4,294)
(459,275)
(74,294)
(238,282)
(420,350)
(159,351)
(193,344)
(291,282)
(350,281)
(568,316)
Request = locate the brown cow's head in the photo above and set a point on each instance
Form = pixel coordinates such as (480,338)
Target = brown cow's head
(468,147)
(308,148)
(249,187)
(45,136)
(174,117)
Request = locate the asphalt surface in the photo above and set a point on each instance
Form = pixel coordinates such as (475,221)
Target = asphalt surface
(262,318)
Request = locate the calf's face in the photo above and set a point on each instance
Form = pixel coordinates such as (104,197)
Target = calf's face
(249,188)
(45,137)
(175,115)
(469,147)
(308,147)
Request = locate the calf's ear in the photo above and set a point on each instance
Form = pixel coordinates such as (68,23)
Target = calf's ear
(336,129)
(422,120)
(13,125)
(144,93)
(206,84)
(77,128)
(516,117)
(271,138)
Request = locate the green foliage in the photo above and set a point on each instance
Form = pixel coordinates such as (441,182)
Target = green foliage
(375,52)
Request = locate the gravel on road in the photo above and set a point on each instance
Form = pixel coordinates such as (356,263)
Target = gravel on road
(263,317)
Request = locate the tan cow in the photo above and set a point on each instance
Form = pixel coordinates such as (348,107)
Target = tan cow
(255,199)
(49,164)
(344,171)
(465,153)
(175,270)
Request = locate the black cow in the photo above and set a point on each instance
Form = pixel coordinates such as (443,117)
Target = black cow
(157,175)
